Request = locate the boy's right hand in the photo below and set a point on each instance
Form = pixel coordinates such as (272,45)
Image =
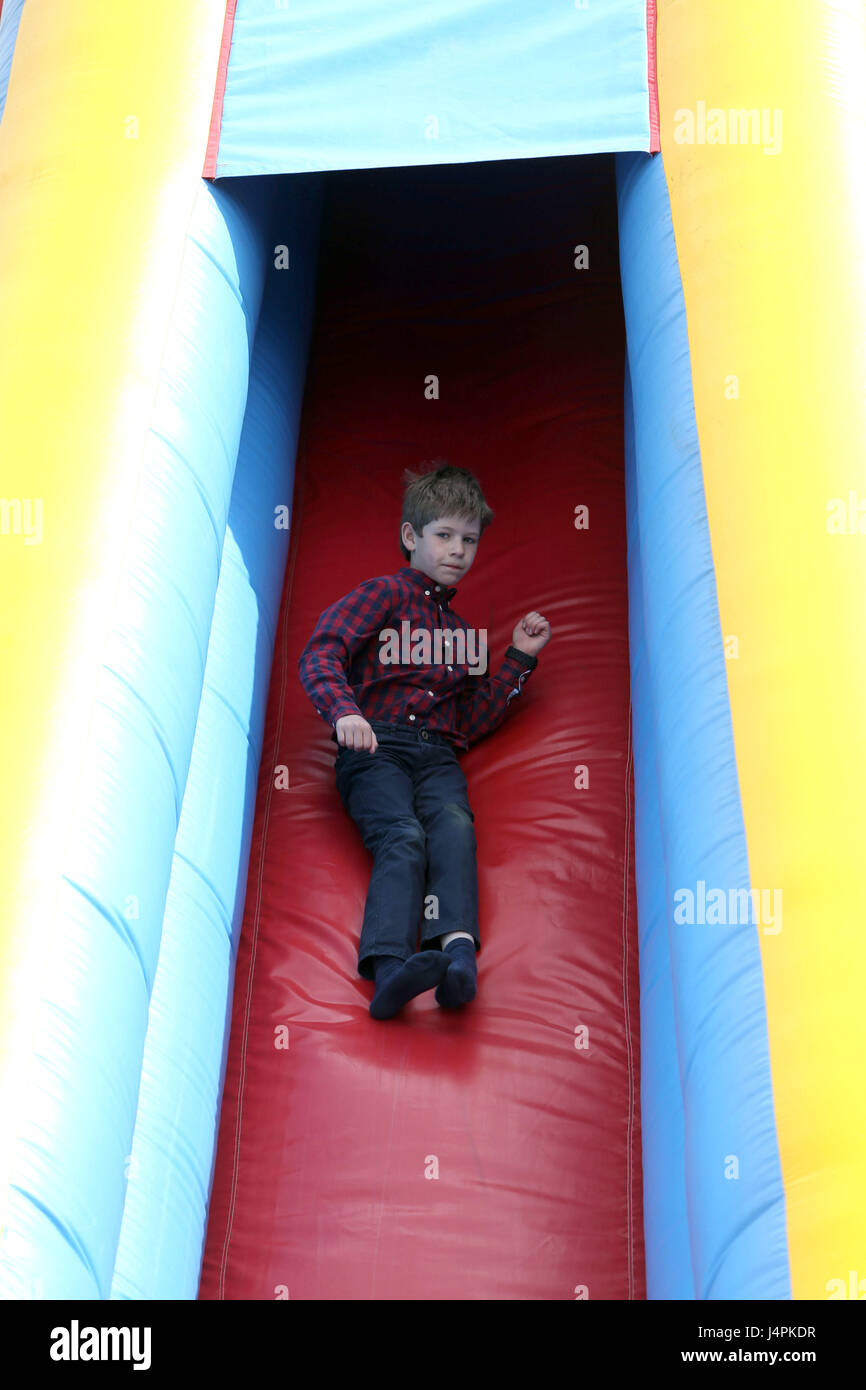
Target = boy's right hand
(353,731)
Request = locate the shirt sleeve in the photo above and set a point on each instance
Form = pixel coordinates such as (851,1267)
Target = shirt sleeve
(483,702)
(341,631)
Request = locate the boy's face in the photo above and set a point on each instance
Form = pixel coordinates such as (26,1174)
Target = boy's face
(445,548)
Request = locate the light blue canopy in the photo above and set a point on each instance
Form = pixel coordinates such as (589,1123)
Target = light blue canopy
(334,84)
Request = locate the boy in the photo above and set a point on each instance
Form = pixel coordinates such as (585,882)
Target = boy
(399,714)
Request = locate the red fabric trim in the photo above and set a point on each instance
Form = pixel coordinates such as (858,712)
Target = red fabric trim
(213,138)
(651,31)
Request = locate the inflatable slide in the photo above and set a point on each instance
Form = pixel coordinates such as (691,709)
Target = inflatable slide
(256,260)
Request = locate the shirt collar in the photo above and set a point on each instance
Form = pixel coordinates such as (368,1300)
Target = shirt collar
(422,581)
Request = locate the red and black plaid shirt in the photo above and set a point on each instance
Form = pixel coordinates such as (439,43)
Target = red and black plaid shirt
(342,671)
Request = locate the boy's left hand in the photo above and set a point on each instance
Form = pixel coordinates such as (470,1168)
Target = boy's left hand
(531,634)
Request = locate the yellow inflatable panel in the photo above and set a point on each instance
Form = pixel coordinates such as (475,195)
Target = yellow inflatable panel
(769,213)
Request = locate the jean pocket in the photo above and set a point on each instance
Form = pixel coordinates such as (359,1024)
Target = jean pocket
(345,756)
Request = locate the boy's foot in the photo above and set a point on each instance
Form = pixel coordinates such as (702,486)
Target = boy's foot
(459,982)
(398,981)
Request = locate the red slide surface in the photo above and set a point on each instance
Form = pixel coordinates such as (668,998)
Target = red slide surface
(490,1152)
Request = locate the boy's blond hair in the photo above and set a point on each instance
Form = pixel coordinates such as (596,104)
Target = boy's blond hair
(442,491)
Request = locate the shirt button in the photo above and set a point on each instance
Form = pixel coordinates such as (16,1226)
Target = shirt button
(450,668)
(427,591)
(429,692)
(438,588)
(411,716)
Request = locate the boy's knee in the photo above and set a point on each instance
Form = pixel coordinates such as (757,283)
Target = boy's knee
(408,830)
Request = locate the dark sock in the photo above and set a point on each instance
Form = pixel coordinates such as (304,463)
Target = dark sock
(458,985)
(398,981)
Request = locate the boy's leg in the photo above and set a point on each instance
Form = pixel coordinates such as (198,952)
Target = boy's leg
(442,807)
(378,793)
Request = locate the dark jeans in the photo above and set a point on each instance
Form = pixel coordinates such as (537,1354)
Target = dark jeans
(409,800)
